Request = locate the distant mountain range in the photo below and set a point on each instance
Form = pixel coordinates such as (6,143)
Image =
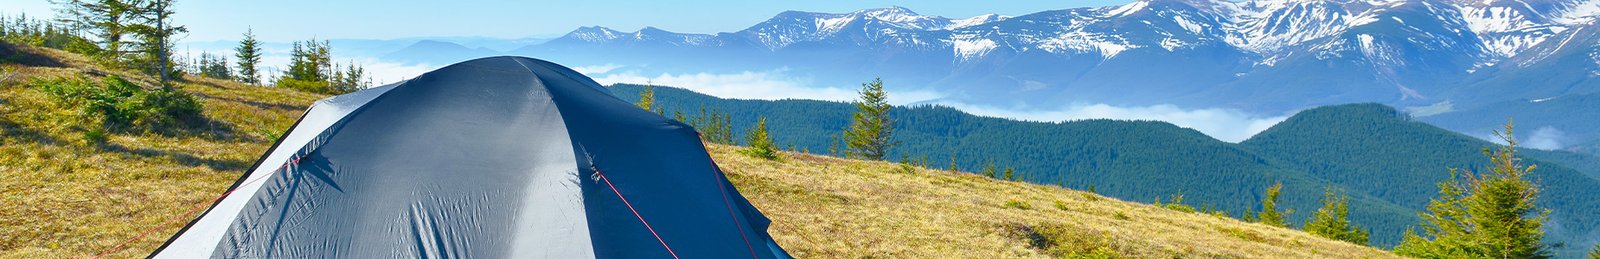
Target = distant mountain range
(1265,56)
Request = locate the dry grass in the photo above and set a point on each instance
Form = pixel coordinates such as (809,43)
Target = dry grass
(825,207)
(64,197)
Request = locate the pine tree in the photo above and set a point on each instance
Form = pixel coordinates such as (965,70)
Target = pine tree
(1269,208)
(713,126)
(249,54)
(214,66)
(156,31)
(311,69)
(953,165)
(1484,214)
(871,131)
(1009,174)
(647,99)
(1594,253)
(988,170)
(108,21)
(1333,220)
(760,143)
(349,79)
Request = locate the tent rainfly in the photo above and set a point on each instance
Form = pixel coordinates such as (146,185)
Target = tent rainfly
(501,157)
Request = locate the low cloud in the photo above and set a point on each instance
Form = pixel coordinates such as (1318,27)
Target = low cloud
(274,61)
(760,85)
(596,69)
(1546,138)
(383,72)
(1223,124)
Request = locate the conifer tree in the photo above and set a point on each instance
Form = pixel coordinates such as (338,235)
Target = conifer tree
(311,69)
(1269,208)
(1489,214)
(988,170)
(1333,220)
(760,143)
(647,99)
(108,21)
(953,165)
(156,31)
(713,126)
(1009,174)
(871,130)
(349,79)
(214,66)
(249,54)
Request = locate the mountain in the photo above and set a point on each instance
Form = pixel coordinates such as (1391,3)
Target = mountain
(425,51)
(1260,56)
(73,199)
(1388,161)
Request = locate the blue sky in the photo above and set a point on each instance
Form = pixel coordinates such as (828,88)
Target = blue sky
(287,20)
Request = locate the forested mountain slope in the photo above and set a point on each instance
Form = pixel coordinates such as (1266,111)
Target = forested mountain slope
(1388,162)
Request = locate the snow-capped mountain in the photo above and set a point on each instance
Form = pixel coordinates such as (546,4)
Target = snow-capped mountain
(1263,56)
(1266,55)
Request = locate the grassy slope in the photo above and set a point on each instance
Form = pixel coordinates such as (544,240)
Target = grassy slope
(67,198)
(63,197)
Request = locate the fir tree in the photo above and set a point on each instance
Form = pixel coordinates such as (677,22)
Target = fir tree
(311,69)
(108,21)
(714,126)
(249,54)
(871,131)
(1269,208)
(1009,174)
(953,165)
(647,99)
(760,143)
(156,31)
(988,170)
(349,79)
(1333,220)
(214,66)
(1483,214)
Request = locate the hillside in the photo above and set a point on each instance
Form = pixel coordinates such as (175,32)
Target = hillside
(76,198)
(1388,161)
(66,196)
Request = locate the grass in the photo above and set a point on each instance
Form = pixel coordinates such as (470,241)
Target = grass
(826,207)
(66,196)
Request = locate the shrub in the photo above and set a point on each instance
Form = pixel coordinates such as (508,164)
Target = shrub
(761,145)
(1176,204)
(1017,204)
(123,106)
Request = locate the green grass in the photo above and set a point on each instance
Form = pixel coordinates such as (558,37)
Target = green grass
(73,189)
(66,196)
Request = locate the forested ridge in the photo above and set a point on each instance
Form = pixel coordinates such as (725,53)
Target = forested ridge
(1388,162)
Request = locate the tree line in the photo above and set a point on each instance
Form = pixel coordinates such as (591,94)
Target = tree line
(140,35)
(1484,214)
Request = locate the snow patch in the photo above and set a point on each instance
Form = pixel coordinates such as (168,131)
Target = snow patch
(1129,8)
(969,49)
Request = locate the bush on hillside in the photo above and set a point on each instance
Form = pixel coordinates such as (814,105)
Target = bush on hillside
(120,105)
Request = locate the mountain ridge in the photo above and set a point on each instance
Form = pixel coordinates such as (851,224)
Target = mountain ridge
(1145,160)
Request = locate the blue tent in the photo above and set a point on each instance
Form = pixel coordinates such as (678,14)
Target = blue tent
(502,157)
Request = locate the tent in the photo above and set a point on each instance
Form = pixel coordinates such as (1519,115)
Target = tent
(501,157)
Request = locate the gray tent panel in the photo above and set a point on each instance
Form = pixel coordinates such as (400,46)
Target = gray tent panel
(493,158)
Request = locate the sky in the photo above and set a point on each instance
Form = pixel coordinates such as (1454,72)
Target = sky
(294,20)
(290,20)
